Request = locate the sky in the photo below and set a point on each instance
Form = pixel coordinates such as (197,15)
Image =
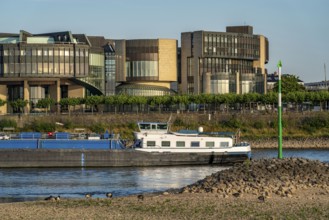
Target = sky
(297,30)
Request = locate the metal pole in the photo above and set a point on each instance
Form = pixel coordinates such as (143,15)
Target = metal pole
(279,114)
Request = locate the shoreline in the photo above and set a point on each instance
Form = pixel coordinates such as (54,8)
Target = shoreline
(260,189)
(294,143)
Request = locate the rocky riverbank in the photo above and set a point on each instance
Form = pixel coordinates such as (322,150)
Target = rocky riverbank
(293,143)
(264,178)
(290,188)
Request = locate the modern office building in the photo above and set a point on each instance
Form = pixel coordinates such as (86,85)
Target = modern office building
(147,67)
(55,65)
(224,62)
(62,64)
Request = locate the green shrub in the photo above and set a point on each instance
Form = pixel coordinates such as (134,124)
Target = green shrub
(233,123)
(258,124)
(178,122)
(274,124)
(311,124)
(7,123)
(132,126)
(40,126)
(68,125)
(98,128)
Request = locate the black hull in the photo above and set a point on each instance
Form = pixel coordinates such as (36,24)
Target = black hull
(14,158)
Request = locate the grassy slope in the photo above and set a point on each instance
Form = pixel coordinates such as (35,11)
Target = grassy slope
(252,126)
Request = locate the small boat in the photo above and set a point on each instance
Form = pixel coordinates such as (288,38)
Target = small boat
(156,137)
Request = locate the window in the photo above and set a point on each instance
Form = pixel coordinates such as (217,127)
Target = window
(195,144)
(165,143)
(180,143)
(145,126)
(162,126)
(224,144)
(150,143)
(210,144)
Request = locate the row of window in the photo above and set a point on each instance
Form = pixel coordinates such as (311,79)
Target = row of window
(44,68)
(231,45)
(215,65)
(63,52)
(141,92)
(237,52)
(229,39)
(183,144)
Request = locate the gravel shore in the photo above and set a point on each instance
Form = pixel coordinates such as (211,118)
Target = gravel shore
(294,143)
(290,188)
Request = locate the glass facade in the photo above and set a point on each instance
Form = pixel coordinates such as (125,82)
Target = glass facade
(231,45)
(142,60)
(44,61)
(15,92)
(110,68)
(96,75)
(216,64)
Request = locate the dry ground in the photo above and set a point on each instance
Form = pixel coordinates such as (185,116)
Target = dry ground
(305,204)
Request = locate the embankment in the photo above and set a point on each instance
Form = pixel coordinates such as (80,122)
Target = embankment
(300,130)
(293,143)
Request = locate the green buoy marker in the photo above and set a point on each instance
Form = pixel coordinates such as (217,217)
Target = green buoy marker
(279,114)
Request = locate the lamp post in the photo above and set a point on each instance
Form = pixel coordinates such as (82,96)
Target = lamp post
(279,114)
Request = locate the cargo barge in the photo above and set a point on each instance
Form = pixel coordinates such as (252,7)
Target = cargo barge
(154,145)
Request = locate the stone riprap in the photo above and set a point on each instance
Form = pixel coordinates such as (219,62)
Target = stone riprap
(264,178)
(295,143)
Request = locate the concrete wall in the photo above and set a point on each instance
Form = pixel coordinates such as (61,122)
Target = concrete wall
(167,60)
(3,96)
(76,91)
(260,63)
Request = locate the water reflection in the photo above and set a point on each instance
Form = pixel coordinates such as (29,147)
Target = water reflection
(69,183)
(32,184)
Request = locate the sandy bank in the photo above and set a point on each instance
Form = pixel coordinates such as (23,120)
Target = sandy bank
(262,189)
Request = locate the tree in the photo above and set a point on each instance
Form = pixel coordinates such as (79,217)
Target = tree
(94,101)
(120,100)
(45,103)
(289,83)
(18,105)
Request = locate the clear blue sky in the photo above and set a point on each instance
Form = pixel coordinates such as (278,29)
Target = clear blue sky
(298,30)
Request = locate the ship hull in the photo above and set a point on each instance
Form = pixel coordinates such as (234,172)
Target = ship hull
(14,158)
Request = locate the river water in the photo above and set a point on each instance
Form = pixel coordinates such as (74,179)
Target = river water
(36,184)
